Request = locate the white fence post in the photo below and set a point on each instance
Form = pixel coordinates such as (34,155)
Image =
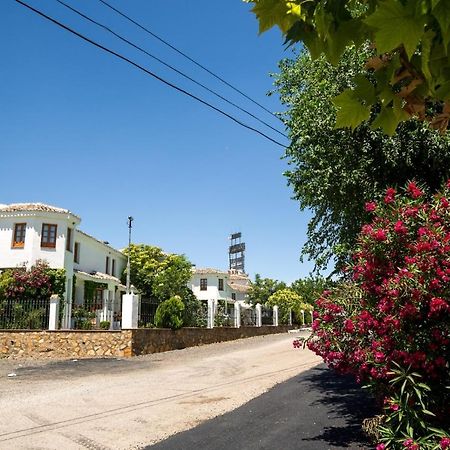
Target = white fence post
(258,315)
(54,312)
(275,315)
(237,315)
(130,303)
(211,314)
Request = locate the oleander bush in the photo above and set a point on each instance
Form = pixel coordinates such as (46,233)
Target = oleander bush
(388,325)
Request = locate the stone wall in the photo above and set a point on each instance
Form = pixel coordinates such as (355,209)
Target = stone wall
(85,344)
(155,340)
(65,344)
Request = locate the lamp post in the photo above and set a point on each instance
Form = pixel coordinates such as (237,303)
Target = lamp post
(130,220)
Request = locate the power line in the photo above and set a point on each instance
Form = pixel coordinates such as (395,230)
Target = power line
(151,33)
(168,83)
(168,65)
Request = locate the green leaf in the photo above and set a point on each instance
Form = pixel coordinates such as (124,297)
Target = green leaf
(441,12)
(351,112)
(274,12)
(386,120)
(426,53)
(396,24)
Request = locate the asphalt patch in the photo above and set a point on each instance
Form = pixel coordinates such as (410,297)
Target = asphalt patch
(313,411)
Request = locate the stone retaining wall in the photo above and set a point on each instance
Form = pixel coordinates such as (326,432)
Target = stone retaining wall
(85,344)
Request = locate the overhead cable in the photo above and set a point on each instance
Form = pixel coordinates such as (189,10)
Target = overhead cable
(151,33)
(138,66)
(127,41)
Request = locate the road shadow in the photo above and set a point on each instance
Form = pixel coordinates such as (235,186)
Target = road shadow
(346,403)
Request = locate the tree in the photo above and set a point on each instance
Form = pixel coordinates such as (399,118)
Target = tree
(288,300)
(171,277)
(156,274)
(333,172)
(410,41)
(262,288)
(310,288)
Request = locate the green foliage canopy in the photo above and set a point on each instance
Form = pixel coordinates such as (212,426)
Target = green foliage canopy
(287,300)
(333,172)
(262,288)
(410,59)
(156,274)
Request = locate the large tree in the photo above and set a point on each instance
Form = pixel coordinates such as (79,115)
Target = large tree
(410,59)
(262,288)
(333,172)
(156,274)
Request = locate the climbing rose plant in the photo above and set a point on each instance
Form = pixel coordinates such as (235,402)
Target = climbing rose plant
(389,324)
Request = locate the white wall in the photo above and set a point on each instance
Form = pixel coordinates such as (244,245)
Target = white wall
(32,251)
(212,291)
(92,256)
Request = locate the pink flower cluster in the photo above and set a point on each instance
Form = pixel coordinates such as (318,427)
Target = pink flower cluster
(396,308)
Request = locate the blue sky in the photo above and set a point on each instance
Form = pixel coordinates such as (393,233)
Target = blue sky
(82,130)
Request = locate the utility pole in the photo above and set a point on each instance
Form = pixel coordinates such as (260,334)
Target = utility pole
(130,220)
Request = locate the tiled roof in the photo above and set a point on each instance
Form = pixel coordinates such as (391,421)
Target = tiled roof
(16,207)
(239,288)
(208,271)
(99,276)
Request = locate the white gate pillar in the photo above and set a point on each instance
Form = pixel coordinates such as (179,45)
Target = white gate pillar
(290,317)
(275,315)
(211,314)
(130,304)
(258,315)
(54,312)
(237,315)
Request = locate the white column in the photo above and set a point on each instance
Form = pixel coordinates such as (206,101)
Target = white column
(312,317)
(275,315)
(237,315)
(130,303)
(290,317)
(211,314)
(303,317)
(54,313)
(258,315)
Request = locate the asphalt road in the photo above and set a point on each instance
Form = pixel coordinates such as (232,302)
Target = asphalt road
(312,411)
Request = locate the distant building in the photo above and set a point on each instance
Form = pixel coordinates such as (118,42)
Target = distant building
(30,232)
(214,284)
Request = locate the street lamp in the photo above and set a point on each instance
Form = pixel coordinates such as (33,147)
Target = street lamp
(130,220)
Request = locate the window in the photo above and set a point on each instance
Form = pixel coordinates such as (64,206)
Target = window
(107,265)
(113,267)
(76,253)
(220,284)
(233,296)
(19,235)
(203,284)
(48,237)
(69,240)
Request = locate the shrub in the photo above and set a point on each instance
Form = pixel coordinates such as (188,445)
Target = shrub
(105,324)
(392,319)
(170,313)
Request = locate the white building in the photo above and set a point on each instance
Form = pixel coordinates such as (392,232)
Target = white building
(30,232)
(215,285)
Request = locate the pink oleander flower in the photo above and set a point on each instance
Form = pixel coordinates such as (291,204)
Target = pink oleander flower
(390,196)
(380,447)
(445,443)
(370,206)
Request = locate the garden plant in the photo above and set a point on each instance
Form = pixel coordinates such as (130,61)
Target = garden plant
(388,324)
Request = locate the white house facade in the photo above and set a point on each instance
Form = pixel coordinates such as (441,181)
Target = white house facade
(215,285)
(30,232)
